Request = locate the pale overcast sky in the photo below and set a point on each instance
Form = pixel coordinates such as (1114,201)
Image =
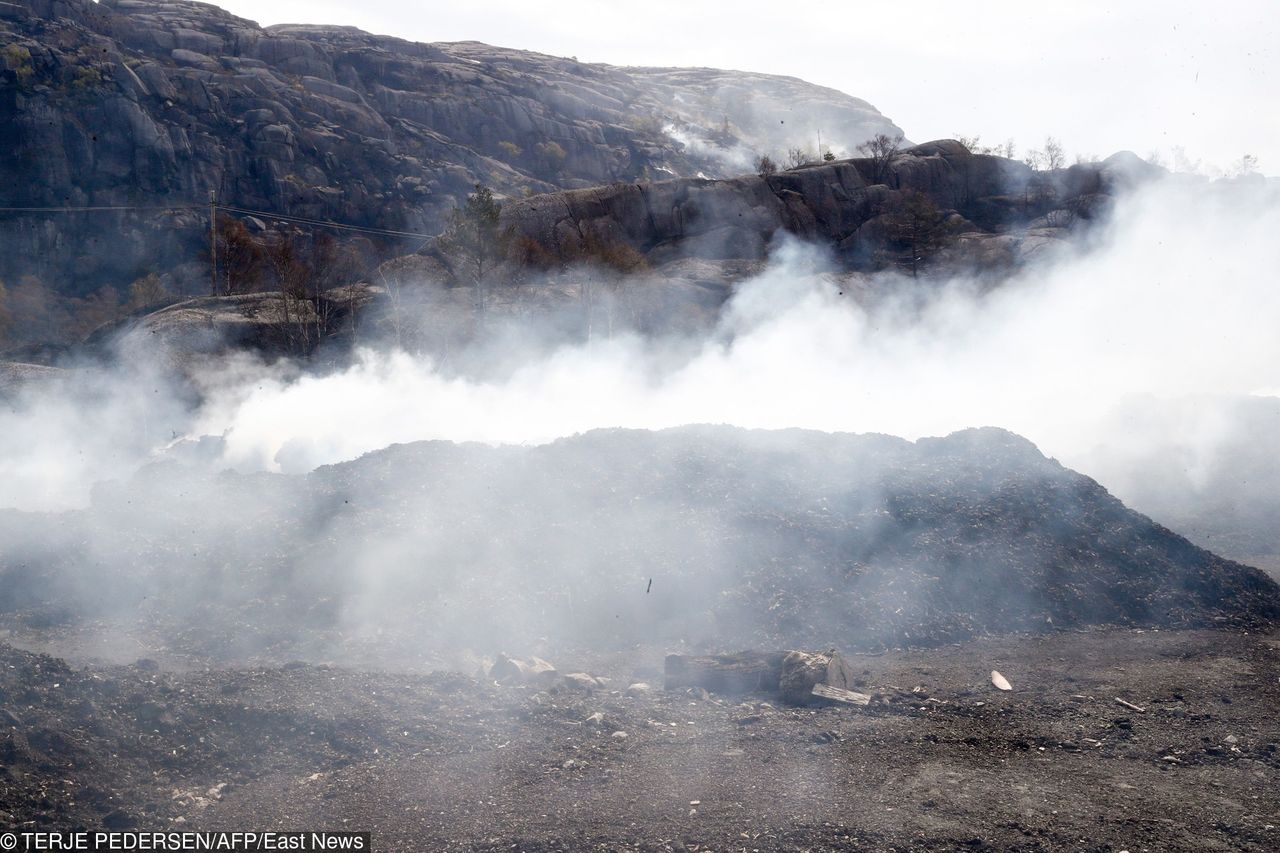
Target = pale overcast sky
(1138,74)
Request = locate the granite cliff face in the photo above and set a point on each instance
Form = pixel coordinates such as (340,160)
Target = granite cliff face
(149,104)
(992,211)
(683,244)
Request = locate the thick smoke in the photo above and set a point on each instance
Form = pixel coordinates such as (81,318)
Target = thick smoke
(1145,358)
(1082,354)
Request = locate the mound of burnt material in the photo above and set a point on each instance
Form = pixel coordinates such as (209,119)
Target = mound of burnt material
(714,535)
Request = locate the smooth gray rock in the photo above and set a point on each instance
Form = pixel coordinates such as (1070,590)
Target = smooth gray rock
(365,129)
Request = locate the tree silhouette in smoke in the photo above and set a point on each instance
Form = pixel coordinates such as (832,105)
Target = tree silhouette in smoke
(475,242)
(881,149)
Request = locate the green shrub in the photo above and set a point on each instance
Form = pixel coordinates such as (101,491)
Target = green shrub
(18,60)
(551,154)
(86,77)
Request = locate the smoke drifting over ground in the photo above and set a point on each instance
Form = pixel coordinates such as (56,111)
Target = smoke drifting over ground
(1175,301)
(1093,355)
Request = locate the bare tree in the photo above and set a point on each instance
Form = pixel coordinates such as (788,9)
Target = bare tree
(241,258)
(921,227)
(1005,149)
(765,166)
(797,157)
(602,261)
(1246,165)
(881,149)
(1054,155)
(1183,163)
(292,275)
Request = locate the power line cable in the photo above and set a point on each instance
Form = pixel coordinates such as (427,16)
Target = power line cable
(247,211)
(100,207)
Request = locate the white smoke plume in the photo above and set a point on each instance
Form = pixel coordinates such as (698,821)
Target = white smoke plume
(1176,301)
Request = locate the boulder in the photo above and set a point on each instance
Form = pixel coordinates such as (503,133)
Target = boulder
(531,670)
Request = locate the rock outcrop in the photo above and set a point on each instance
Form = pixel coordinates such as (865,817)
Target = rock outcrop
(155,104)
(692,240)
(271,324)
(855,206)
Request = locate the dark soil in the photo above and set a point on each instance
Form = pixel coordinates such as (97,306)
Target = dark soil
(716,536)
(941,761)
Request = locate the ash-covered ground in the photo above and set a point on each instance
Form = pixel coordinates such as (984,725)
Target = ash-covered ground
(940,761)
(437,554)
(305,651)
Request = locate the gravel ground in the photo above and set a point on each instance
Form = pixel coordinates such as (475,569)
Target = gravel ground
(430,761)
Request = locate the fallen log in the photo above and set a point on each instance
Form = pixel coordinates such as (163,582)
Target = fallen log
(745,672)
(791,675)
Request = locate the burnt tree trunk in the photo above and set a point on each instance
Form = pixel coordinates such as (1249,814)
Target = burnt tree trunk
(745,672)
(790,675)
(801,671)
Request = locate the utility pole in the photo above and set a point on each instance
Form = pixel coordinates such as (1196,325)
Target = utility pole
(213,242)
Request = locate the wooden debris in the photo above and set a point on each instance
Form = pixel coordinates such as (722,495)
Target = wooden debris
(839,696)
(792,675)
(1000,681)
(746,672)
(1130,706)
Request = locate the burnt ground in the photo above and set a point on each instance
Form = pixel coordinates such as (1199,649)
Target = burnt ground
(703,539)
(453,761)
(710,535)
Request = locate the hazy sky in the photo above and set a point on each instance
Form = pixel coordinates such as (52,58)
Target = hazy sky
(1139,74)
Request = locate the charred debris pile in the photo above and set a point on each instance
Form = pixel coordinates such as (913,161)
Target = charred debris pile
(713,536)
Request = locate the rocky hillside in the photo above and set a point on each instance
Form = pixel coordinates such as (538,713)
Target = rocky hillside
(703,534)
(151,103)
(919,201)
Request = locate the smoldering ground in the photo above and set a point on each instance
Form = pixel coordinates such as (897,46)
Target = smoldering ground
(469,545)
